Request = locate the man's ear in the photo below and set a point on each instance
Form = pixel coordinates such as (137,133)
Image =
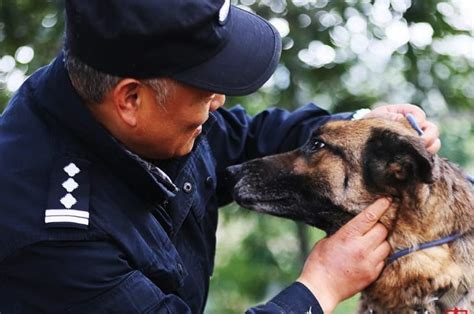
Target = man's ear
(127,99)
(395,161)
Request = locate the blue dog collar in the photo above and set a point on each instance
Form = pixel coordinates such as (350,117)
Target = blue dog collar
(422,246)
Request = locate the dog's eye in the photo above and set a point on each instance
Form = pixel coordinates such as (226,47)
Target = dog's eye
(317,144)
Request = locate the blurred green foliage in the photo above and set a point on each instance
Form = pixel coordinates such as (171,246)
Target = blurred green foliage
(342,55)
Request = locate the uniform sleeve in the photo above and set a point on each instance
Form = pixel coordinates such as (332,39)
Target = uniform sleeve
(79,277)
(294,299)
(237,137)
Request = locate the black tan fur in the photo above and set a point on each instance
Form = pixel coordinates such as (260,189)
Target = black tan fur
(344,167)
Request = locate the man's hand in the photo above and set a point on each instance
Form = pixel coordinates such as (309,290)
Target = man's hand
(399,112)
(348,261)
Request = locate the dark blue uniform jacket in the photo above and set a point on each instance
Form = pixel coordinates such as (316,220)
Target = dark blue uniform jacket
(85,228)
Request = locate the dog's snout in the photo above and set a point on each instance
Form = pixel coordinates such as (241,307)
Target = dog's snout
(233,174)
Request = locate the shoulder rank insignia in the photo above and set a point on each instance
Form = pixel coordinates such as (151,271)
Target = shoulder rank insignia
(68,201)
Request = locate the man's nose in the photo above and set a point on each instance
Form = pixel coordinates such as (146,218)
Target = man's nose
(217,102)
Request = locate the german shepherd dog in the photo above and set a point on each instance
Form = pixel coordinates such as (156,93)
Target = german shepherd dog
(347,165)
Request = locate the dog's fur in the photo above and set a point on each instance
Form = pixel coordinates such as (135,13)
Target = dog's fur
(360,162)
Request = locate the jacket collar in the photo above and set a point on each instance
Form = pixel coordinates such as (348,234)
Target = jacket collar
(56,95)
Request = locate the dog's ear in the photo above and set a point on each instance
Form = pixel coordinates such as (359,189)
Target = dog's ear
(396,161)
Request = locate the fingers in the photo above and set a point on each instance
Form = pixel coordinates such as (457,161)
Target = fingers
(431,137)
(366,219)
(435,147)
(394,116)
(405,109)
(398,112)
(416,111)
(379,267)
(381,252)
(377,235)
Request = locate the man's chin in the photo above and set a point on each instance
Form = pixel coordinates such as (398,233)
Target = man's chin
(180,151)
(185,150)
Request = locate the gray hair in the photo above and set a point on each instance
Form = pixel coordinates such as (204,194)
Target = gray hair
(92,85)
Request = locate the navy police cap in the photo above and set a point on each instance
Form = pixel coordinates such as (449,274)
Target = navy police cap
(209,44)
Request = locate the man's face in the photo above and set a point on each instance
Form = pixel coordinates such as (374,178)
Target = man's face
(169,130)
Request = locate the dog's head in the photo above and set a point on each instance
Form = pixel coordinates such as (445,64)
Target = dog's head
(343,167)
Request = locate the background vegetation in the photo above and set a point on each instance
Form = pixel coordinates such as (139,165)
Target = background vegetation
(342,55)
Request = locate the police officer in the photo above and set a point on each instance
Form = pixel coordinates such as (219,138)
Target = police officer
(113,159)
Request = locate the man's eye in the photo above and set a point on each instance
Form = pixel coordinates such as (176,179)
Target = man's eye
(317,144)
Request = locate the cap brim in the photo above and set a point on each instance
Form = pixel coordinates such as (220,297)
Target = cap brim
(244,64)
